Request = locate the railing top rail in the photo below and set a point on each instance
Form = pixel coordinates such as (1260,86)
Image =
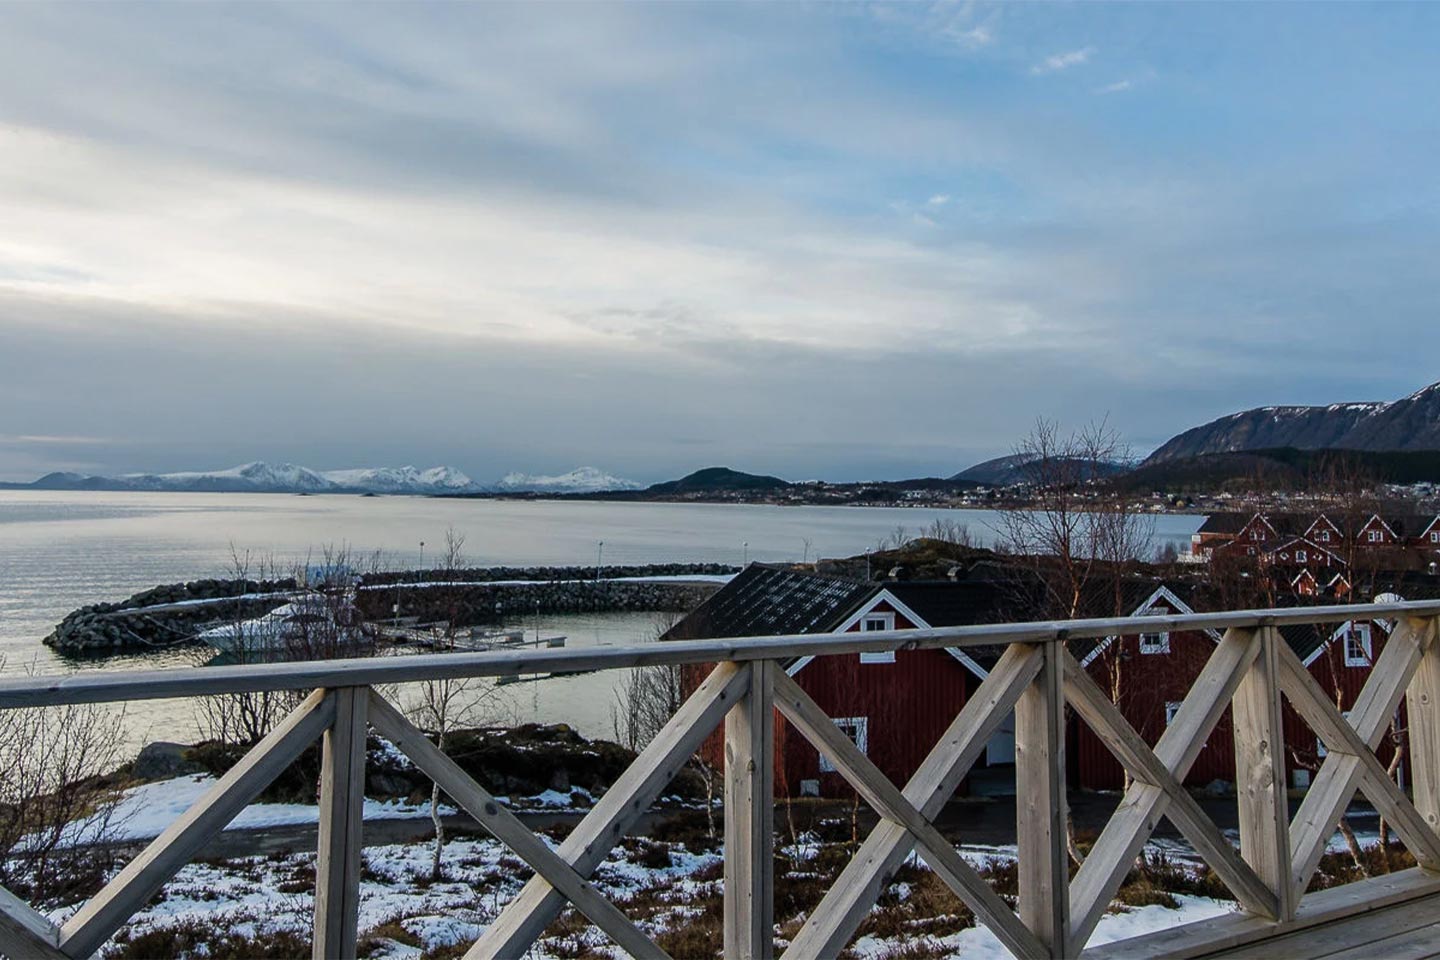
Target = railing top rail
(95,686)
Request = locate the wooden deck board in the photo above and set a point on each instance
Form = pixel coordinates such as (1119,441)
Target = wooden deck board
(1241,935)
(1359,936)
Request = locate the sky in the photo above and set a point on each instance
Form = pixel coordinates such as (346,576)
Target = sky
(822,241)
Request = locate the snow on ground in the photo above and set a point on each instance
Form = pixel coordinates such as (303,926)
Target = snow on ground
(978,943)
(147,810)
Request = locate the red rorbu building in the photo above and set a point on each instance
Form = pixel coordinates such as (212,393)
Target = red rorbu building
(893,705)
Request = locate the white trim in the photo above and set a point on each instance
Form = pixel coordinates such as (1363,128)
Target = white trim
(1364,637)
(886,621)
(1315,654)
(1387,526)
(861,726)
(1329,523)
(920,623)
(1172,707)
(1161,593)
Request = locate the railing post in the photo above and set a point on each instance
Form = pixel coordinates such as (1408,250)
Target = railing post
(1260,782)
(1040,806)
(750,820)
(1423,703)
(342,802)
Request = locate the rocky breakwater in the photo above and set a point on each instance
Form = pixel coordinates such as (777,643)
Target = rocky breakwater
(168,615)
(165,615)
(500,595)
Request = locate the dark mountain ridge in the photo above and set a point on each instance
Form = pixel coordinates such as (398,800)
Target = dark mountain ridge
(1412,423)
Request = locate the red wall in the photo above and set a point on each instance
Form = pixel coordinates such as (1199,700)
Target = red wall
(908,704)
(1153,679)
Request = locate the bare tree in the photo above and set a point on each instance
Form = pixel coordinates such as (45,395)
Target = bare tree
(1078,535)
(245,719)
(646,700)
(56,810)
(445,705)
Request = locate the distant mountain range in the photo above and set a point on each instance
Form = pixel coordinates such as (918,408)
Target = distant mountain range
(1409,424)
(1017,468)
(579,480)
(262,477)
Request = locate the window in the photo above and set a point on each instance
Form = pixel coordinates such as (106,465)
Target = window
(878,621)
(1300,556)
(858,730)
(1357,645)
(1435,537)
(1171,708)
(1324,536)
(1155,642)
(1257,534)
(1376,536)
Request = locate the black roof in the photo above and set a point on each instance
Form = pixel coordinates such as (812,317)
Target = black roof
(772,601)
(1230,523)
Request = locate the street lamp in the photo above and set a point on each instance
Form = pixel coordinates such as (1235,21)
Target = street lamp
(422,554)
(599,552)
(745,562)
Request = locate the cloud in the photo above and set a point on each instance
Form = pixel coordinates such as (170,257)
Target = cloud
(490,235)
(1063,61)
(1118,86)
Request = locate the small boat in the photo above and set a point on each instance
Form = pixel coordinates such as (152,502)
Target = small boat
(309,620)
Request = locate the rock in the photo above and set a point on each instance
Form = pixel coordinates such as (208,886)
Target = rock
(163,760)
(1218,788)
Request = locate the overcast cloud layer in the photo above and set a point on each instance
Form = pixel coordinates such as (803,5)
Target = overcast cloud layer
(811,240)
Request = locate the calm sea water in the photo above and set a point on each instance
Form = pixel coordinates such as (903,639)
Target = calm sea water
(59,551)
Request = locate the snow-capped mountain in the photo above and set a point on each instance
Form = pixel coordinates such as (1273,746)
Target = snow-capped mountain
(262,477)
(258,475)
(402,479)
(579,480)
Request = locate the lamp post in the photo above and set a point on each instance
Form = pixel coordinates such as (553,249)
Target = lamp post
(422,554)
(745,556)
(599,553)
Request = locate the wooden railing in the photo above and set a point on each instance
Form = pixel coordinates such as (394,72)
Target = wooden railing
(1036,677)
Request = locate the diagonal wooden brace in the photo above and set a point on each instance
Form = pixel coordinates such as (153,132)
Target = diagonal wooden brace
(833,922)
(1157,791)
(107,911)
(507,828)
(538,903)
(1335,783)
(886,799)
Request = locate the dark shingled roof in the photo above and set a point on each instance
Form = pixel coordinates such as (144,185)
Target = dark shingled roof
(771,601)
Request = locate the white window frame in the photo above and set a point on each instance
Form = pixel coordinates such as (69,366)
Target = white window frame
(886,621)
(858,730)
(1435,537)
(1376,536)
(1363,634)
(1160,645)
(1301,556)
(1172,707)
(1324,536)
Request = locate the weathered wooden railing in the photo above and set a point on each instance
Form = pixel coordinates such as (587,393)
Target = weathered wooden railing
(1036,677)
